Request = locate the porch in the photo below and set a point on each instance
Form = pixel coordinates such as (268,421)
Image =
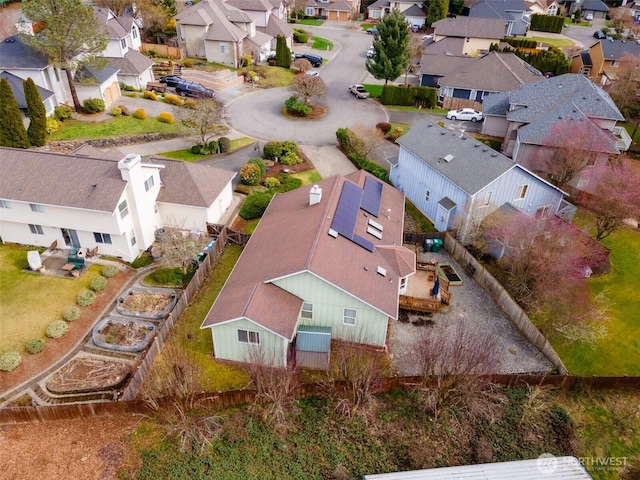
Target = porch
(421,294)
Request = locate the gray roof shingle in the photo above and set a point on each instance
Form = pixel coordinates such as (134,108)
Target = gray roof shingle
(468,27)
(16,84)
(15,54)
(133,63)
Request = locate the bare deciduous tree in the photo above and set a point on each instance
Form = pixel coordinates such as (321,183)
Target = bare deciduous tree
(180,248)
(206,119)
(301,65)
(116,6)
(624,91)
(363,140)
(306,87)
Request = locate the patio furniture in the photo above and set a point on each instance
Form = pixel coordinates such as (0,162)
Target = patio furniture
(35,262)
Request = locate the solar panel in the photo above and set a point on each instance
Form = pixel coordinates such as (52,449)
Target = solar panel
(344,220)
(363,242)
(372,193)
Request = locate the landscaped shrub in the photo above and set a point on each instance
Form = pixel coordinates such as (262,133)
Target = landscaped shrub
(260,163)
(10,361)
(397,133)
(143,260)
(109,271)
(57,329)
(288,182)
(272,183)
(246,60)
(213,146)
(297,108)
(149,95)
(290,158)
(272,150)
(225,144)
(86,298)
(187,63)
(250,174)
(124,110)
(116,111)
(71,314)
(63,112)
(97,284)
(384,127)
(173,99)
(52,126)
(93,105)
(140,114)
(255,205)
(165,117)
(168,276)
(300,35)
(35,346)
(290,147)
(190,103)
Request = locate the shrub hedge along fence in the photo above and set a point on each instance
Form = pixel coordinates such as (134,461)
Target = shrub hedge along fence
(425,97)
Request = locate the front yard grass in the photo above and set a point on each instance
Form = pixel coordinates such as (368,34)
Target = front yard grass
(83,130)
(312,22)
(619,352)
(186,156)
(320,43)
(31,301)
(308,177)
(188,335)
(554,42)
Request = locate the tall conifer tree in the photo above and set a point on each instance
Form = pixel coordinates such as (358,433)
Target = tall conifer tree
(12,131)
(37,131)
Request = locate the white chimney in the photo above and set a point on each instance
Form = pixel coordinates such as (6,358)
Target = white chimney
(315,195)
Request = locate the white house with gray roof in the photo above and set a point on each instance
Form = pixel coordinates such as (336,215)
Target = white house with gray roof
(105,199)
(340,274)
(475,35)
(515,12)
(524,117)
(456,181)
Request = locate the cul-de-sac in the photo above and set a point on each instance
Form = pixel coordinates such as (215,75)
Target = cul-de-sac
(320,239)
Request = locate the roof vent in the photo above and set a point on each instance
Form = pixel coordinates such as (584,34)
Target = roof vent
(448,158)
(494,155)
(381,271)
(430,125)
(443,133)
(315,195)
(485,149)
(333,233)
(476,145)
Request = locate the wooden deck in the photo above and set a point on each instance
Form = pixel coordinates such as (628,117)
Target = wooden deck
(418,295)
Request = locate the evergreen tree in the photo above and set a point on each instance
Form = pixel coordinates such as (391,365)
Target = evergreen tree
(437,10)
(391,56)
(12,131)
(283,54)
(37,131)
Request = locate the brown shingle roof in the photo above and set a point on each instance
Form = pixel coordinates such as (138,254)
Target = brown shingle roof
(281,320)
(470,27)
(301,233)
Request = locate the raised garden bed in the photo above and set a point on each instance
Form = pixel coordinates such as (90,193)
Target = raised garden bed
(447,271)
(123,335)
(88,374)
(154,303)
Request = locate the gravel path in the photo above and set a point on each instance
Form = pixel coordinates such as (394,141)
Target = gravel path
(472,309)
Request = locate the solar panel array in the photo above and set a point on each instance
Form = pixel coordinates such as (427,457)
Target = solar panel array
(352,199)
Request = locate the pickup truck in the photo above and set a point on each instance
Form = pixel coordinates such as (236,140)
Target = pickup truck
(359,91)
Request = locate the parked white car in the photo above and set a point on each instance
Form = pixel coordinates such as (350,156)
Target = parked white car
(465,114)
(371,52)
(359,91)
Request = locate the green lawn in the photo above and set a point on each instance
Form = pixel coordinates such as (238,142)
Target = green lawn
(31,301)
(554,42)
(186,156)
(188,334)
(320,43)
(374,90)
(313,22)
(83,130)
(619,352)
(309,177)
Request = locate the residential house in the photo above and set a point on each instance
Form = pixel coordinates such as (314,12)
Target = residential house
(116,202)
(472,78)
(456,181)
(334,10)
(597,8)
(268,17)
(632,8)
(544,7)
(17,87)
(515,12)
(20,60)
(601,61)
(122,52)
(220,32)
(524,117)
(473,35)
(325,262)
(413,11)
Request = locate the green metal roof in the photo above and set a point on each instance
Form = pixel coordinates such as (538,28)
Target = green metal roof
(313,339)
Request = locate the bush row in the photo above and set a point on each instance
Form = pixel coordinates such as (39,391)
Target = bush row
(425,97)
(546,23)
(343,135)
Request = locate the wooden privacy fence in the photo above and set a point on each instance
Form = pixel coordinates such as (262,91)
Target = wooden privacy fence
(232,236)
(142,370)
(507,304)
(35,414)
(161,50)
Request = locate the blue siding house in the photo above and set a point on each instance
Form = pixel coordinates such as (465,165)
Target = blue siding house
(457,181)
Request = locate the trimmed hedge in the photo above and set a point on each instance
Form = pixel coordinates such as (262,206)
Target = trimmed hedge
(52,126)
(57,329)
(365,164)
(546,23)
(10,361)
(272,183)
(425,97)
(172,99)
(255,205)
(93,105)
(250,174)
(149,95)
(97,284)
(166,117)
(71,314)
(272,150)
(520,42)
(296,108)
(63,112)
(225,144)
(86,298)
(260,163)
(35,346)
(109,271)
(140,114)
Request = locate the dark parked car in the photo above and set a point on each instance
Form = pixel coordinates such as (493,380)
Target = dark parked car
(171,80)
(372,31)
(599,35)
(192,89)
(314,60)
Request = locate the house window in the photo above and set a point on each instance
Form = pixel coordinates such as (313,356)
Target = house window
(486,199)
(134,32)
(309,11)
(375,14)
(583,182)
(522,192)
(55,70)
(552,10)
(586,71)
(4,204)
(132,235)
(149,183)
(102,237)
(427,195)
(248,336)
(224,48)
(543,212)
(307,311)
(349,316)
(123,42)
(403,283)
(591,159)
(155,208)
(124,209)
(36,229)
(36,207)
(615,63)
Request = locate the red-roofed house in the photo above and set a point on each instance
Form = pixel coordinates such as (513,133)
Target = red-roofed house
(338,275)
